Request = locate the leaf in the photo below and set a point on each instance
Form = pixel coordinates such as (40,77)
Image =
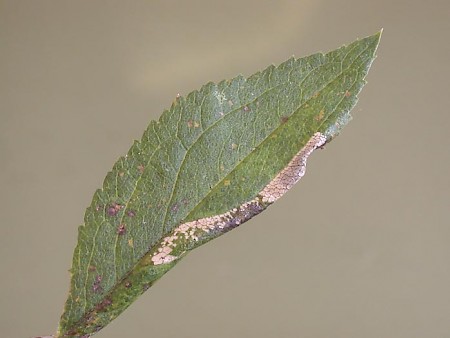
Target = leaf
(213,160)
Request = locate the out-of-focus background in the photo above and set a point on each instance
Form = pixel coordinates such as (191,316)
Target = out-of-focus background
(360,248)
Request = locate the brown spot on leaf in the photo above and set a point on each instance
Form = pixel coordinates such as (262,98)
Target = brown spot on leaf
(141,168)
(128,284)
(104,304)
(284,119)
(246,109)
(121,229)
(175,207)
(190,123)
(234,146)
(320,116)
(347,93)
(131,213)
(92,268)
(96,287)
(113,209)
(121,174)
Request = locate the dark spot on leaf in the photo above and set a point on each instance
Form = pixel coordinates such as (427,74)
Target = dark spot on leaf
(96,287)
(113,209)
(121,229)
(104,304)
(284,119)
(128,284)
(146,286)
(72,332)
(246,109)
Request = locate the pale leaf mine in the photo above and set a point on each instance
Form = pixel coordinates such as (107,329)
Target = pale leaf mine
(285,180)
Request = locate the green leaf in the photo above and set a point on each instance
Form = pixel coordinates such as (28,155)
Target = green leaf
(213,160)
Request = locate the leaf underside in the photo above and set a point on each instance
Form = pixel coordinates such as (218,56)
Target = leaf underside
(215,159)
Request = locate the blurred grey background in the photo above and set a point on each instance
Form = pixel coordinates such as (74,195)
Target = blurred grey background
(359,248)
